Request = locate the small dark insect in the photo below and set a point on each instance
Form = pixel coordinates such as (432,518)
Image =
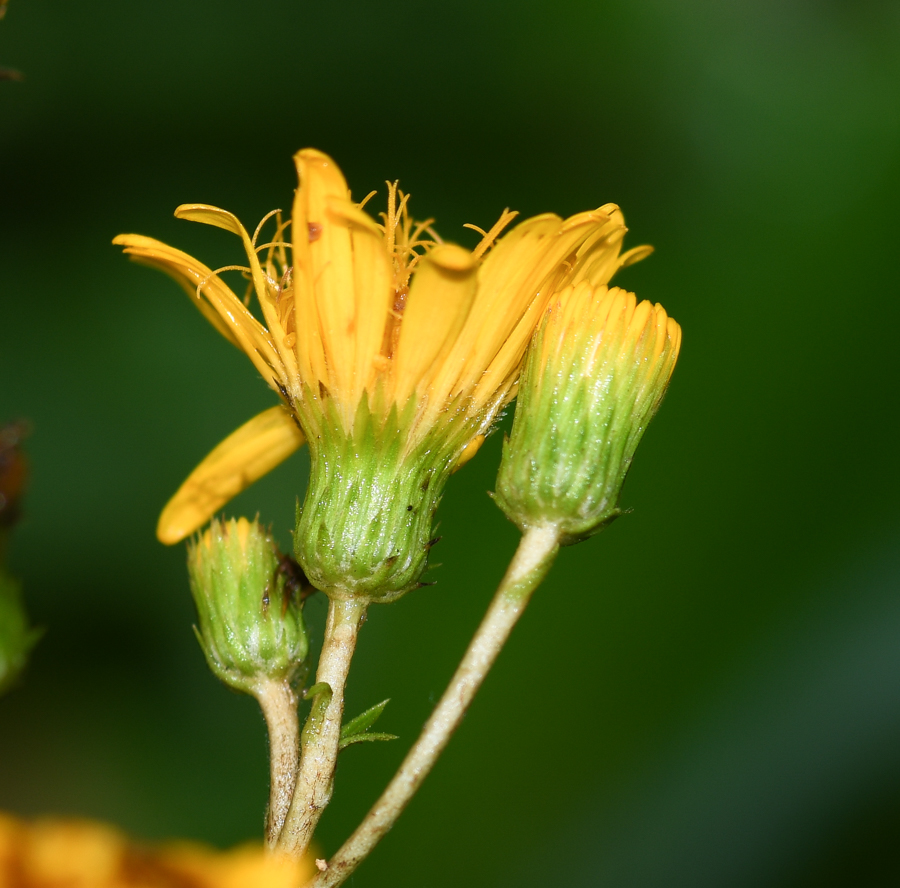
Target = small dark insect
(295,581)
(13,471)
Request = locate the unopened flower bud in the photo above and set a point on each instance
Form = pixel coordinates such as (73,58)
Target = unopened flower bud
(251,625)
(595,374)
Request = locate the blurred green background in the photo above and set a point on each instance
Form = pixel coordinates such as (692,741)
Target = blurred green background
(708,694)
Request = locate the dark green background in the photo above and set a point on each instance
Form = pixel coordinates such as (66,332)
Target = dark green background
(708,694)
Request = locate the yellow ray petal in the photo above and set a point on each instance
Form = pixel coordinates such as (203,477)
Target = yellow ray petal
(635,254)
(523,295)
(223,219)
(181,267)
(247,328)
(372,288)
(323,270)
(242,458)
(498,304)
(440,297)
(598,258)
(208,215)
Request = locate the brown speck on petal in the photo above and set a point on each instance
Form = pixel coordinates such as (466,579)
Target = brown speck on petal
(315,230)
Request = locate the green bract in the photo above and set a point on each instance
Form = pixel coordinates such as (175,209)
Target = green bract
(250,623)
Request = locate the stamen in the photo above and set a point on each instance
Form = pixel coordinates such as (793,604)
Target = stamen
(261,223)
(390,218)
(489,237)
(286,280)
(366,199)
(279,243)
(216,273)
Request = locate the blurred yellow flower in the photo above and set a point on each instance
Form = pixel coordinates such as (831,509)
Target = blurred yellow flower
(380,317)
(81,854)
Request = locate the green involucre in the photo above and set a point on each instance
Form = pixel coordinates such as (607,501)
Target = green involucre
(365,527)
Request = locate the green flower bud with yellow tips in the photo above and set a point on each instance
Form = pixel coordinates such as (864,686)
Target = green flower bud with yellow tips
(595,374)
(250,623)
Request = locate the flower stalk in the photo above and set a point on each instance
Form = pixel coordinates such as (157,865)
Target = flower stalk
(279,707)
(320,740)
(533,559)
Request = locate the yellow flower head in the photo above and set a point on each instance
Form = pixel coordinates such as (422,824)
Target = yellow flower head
(376,328)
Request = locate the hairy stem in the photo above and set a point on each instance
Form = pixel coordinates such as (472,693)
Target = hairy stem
(532,560)
(279,707)
(322,732)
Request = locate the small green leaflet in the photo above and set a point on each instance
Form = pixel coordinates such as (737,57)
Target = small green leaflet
(357,729)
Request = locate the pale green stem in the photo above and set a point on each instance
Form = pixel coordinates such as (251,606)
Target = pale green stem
(279,706)
(532,560)
(321,735)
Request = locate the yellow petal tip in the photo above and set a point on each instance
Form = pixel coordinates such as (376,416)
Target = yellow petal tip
(450,257)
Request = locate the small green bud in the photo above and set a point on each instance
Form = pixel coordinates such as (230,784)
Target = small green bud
(251,627)
(16,637)
(594,375)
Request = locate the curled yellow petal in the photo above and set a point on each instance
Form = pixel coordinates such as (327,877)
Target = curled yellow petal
(208,215)
(635,254)
(220,306)
(193,276)
(242,458)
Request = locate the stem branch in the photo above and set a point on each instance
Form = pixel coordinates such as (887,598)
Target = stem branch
(529,566)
